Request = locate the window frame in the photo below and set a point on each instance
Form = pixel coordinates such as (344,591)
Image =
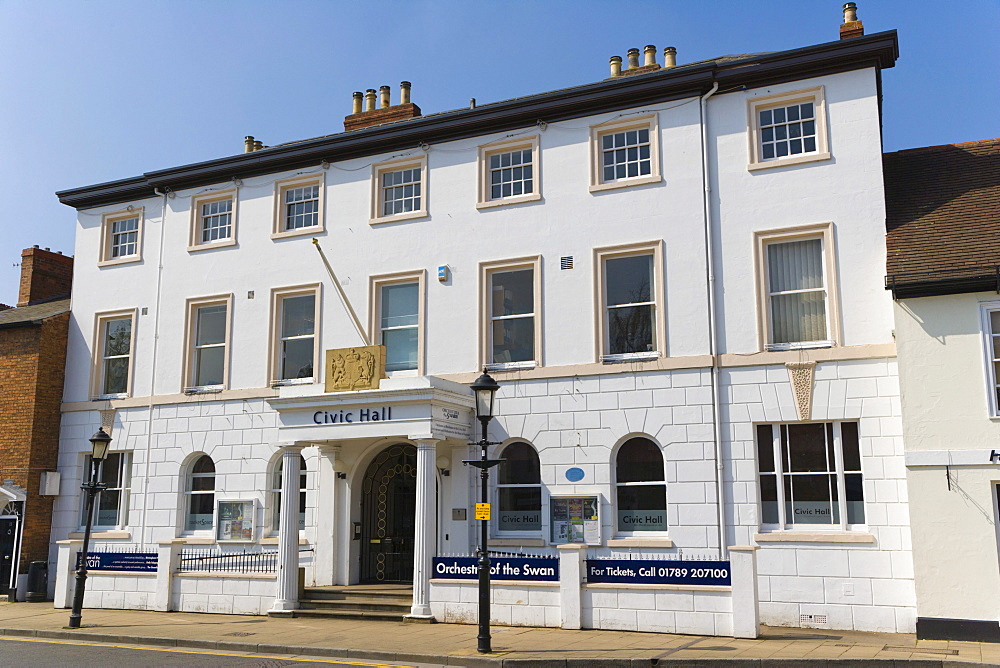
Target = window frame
(380,168)
(376,283)
(762,239)
(98,366)
(597,132)
(194,240)
(278,295)
(782,525)
(618,532)
(542,496)
(486,151)
(107,233)
(187,492)
(991,377)
(193,306)
(817,96)
(280,219)
(601,255)
(274,494)
(124,489)
(486,272)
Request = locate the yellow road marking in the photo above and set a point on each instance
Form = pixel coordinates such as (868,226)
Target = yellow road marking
(189,651)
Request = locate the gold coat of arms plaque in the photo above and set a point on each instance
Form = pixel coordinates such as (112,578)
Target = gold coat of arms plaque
(354,368)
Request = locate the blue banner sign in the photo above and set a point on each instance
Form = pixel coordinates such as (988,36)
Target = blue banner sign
(534,569)
(652,571)
(141,562)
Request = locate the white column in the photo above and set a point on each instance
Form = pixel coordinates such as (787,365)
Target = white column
(326,516)
(743,574)
(571,558)
(287,594)
(425,528)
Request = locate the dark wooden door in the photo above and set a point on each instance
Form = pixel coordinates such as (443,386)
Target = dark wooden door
(8,536)
(388,516)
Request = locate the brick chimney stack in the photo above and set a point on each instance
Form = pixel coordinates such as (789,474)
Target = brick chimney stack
(44,275)
(851,27)
(383,112)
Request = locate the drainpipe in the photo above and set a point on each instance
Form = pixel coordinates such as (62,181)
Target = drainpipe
(713,343)
(152,364)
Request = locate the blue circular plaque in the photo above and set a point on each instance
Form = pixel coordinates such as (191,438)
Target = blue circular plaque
(574,474)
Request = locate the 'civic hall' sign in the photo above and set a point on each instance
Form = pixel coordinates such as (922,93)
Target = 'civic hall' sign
(533,569)
(653,571)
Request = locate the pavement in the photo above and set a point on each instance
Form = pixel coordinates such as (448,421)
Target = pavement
(455,644)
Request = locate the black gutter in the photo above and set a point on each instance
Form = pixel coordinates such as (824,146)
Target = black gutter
(879,50)
(936,287)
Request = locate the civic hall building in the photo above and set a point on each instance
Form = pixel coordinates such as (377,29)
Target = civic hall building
(673,273)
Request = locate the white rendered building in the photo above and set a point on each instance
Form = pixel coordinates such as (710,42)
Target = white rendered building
(674,274)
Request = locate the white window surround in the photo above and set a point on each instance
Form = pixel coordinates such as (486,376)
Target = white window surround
(648,122)
(618,531)
(195,240)
(190,482)
(130,242)
(991,352)
(764,102)
(381,168)
(839,468)
(601,256)
(116,472)
(101,359)
(499,486)
(281,187)
(191,329)
(278,295)
(823,232)
(486,151)
(376,284)
(486,272)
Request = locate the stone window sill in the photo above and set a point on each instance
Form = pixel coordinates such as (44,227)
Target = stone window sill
(640,542)
(102,535)
(814,537)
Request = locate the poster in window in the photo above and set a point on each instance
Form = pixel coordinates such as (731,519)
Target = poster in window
(236,521)
(575,519)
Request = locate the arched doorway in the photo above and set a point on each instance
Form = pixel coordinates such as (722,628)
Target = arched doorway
(388,516)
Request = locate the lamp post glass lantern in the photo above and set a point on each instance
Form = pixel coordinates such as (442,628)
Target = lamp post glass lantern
(99,444)
(485,389)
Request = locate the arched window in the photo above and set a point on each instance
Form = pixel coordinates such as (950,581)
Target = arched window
(642,492)
(201,495)
(276,493)
(519,487)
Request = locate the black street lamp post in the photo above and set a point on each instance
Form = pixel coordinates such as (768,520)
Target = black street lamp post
(99,452)
(485,389)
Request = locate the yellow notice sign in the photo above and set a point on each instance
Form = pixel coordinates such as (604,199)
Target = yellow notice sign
(482,511)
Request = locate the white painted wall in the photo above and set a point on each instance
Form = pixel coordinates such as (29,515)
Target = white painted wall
(942,374)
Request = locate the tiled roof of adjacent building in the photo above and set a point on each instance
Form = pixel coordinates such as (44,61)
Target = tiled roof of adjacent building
(943,218)
(27,315)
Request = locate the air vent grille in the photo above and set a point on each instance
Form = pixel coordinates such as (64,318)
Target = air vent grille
(566,262)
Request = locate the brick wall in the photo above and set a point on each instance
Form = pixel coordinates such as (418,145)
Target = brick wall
(32,363)
(399,112)
(44,275)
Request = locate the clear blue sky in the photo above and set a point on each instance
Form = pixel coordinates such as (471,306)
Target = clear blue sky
(106,89)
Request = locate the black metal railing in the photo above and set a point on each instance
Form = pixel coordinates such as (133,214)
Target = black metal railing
(194,560)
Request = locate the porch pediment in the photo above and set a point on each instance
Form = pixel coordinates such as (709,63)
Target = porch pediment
(416,407)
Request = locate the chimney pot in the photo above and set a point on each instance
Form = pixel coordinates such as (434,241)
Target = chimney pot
(370,99)
(35,246)
(670,56)
(258,145)
(248,144)
(633,58)
(616,66)
(356,104)
(650,53)
(851,27)
(404,92)
(383,92)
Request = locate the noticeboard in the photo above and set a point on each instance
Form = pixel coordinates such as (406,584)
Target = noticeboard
(575,519)
(236,521)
